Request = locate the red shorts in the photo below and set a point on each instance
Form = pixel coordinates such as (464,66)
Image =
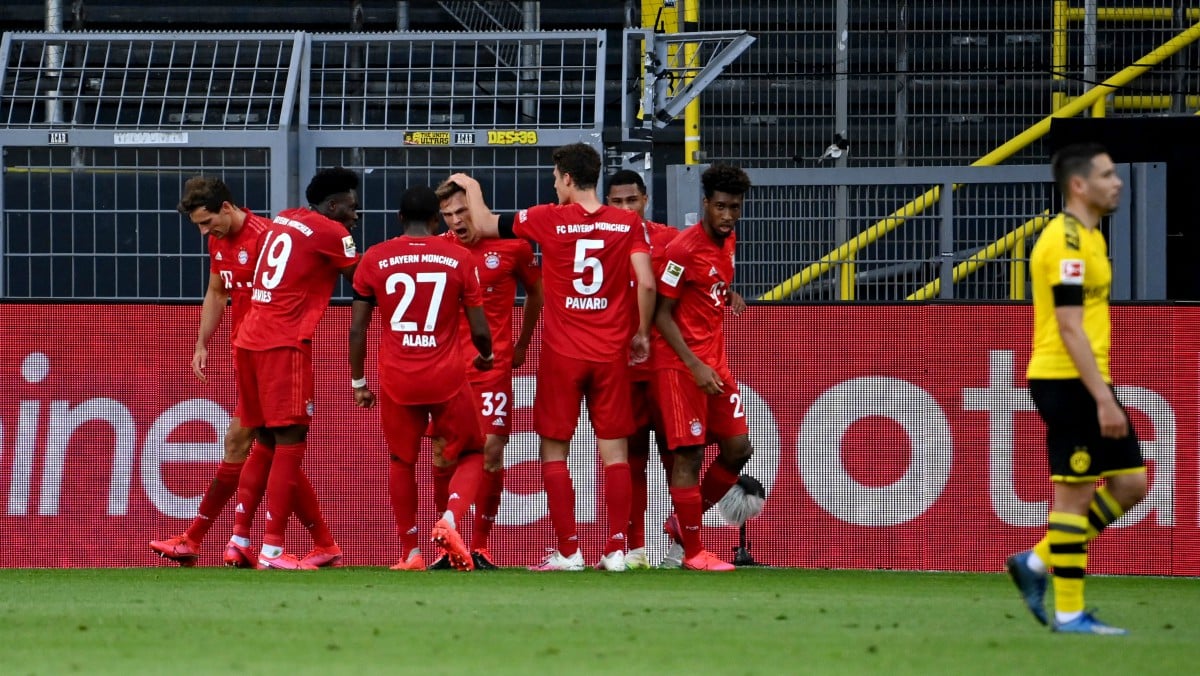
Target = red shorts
(692,417)
(274,387)
(563,382)
(494,397)
(641,400)
(455,420)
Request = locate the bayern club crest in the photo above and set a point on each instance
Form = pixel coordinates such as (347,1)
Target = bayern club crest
(696,428)
(492,260)
(243,257)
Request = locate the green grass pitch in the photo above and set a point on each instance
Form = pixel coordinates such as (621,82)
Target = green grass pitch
(753,621)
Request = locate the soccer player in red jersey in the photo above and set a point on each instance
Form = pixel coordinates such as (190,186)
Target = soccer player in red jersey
(501,263)
(423,284)
(590,252)
(299,259)
(697,395)
(627,190)
(232,233)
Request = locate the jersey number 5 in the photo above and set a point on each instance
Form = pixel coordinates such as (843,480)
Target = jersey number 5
(584,262)
(437,279)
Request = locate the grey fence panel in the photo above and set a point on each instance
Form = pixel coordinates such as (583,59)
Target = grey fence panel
(406,109)
(790,224)
(101,130)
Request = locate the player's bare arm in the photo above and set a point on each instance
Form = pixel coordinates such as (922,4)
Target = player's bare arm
(646,298)
(360,321)
(215,299)
(481,337)
(535,298)
(736,302)
(664,320)
(348,272)
(1113,421)
(485,221)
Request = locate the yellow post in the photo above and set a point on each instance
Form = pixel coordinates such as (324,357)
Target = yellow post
(691,114)
(1016,271)
(1058,53)
(846,281)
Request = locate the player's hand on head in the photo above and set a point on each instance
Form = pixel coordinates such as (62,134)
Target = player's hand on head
(199,362)
(466,182)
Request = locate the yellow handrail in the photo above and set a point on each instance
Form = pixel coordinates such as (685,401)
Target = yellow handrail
(987,254)
(996,156)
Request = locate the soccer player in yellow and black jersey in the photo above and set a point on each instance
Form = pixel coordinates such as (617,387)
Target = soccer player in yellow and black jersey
(1088,435)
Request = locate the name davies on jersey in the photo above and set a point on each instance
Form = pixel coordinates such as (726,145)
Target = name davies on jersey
(405,259)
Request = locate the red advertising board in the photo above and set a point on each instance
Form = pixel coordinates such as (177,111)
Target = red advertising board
(887,436)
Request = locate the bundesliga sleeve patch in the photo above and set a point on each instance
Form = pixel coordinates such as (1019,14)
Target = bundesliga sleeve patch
(348,246)
(523,215)
(1071,272)
(672,274)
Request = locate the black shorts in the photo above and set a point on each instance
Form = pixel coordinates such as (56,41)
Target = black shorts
(1076,450)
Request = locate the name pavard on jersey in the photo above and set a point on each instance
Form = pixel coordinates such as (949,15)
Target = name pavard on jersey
(588,302)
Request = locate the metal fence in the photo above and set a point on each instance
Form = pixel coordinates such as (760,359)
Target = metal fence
(920,233)
(918,82)
(97,146)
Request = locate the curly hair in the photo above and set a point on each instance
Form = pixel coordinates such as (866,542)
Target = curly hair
(329,182)
(724,178)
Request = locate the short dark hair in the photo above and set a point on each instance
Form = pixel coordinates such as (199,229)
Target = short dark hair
(329,182)
(581,161)
(628,177)
(418,204)
(204,191)
(1074,160)
(724,178)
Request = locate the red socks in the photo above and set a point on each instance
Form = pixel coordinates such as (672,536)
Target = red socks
(402,489)
(223,486)
(689,511)
(639,499)
(560,498)
(441,487)
(464,486)
(716,483)
(281,487)
(487,505)
(308,511)
(617,491)
(251,487)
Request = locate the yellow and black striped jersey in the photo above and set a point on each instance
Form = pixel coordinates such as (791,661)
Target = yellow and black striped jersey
(1069,266)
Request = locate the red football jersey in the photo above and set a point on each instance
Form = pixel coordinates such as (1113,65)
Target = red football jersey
(421,285)
(697,273)
(501,264)
(660,235)
(586,276)
(299,259)
(233,258)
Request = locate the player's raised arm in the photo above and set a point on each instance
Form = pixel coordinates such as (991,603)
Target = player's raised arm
(485,221)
